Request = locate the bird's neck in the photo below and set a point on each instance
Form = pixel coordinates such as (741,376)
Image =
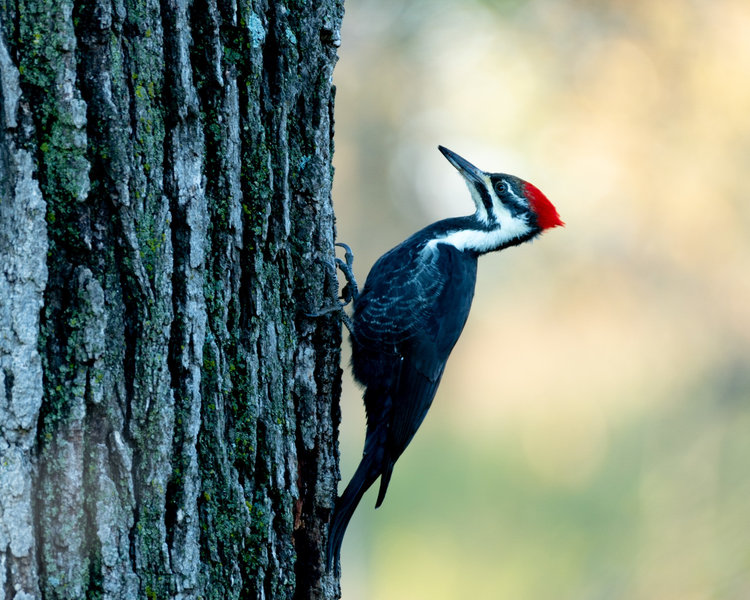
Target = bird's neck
(474,235)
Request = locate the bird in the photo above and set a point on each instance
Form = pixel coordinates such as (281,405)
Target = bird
(410,313)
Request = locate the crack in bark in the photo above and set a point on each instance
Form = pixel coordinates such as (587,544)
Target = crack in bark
(200,441)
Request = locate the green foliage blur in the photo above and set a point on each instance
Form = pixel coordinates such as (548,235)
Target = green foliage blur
(591,437)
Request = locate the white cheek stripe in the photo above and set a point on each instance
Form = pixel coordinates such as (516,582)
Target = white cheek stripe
(508,228)
(477,198)
(517,197)
(505,227)
(481,241)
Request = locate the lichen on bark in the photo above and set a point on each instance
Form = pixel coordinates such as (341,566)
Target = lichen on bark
(167,407)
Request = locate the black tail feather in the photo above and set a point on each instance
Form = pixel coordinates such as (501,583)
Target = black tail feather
(363,478)
(385,479)
(374,458)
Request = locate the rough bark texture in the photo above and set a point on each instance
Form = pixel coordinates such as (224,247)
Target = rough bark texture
(167,409)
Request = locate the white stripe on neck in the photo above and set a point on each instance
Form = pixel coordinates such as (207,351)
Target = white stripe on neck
(481,241)
(506,228)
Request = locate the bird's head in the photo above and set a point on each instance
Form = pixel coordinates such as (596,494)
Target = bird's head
(506,205)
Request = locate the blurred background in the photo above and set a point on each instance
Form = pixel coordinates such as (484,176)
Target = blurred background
(591,437)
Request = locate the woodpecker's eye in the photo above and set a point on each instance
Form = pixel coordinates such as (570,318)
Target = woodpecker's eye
(501,187)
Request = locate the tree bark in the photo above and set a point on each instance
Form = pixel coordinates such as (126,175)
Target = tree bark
(168,410)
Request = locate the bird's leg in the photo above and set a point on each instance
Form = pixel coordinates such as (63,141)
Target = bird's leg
(348,293)
(347,321)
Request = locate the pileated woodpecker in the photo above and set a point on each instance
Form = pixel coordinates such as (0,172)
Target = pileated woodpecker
(411,312)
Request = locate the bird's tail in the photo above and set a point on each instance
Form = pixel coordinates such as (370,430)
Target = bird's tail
(363,478)
(369,469)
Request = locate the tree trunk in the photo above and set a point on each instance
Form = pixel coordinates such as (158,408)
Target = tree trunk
(168,410)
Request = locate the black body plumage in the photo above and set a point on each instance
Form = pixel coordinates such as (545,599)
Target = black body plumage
(407,319)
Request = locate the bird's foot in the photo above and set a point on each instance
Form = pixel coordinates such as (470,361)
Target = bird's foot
(348,293)
(338,307)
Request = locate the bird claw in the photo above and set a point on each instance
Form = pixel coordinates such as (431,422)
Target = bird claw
(348,254)
(325,311)
(349,292)
(339,307)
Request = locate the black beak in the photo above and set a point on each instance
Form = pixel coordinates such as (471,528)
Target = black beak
(469,171)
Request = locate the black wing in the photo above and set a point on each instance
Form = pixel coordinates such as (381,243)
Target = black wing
(426,351)
(398,294)
(421,322)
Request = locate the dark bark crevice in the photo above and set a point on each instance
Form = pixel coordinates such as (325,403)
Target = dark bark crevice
(185,436)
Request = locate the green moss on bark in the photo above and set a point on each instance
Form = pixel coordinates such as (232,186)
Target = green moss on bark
(183,150)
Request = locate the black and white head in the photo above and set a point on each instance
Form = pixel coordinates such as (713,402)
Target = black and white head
(507,208)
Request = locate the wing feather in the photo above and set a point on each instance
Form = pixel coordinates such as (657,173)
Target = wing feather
(411,283)
(420,319)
